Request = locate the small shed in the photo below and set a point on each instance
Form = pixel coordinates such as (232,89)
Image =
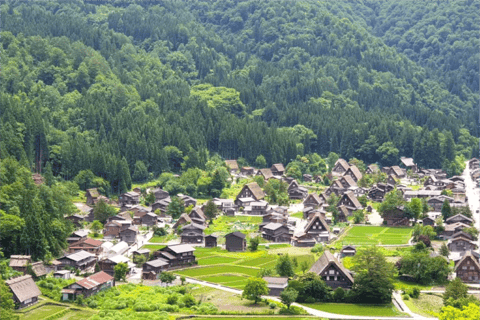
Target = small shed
(38,269)
(276,285)
(211,241)
(348,251)
(235,241)
(62,274)
(19,263)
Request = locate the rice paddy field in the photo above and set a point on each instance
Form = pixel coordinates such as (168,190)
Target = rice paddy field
(368,235)
(232,269)
(388,310)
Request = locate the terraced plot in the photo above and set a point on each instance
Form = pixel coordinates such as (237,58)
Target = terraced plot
(368,235)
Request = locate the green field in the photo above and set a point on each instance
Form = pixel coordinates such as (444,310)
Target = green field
(225,224)
(357,309)
(232,269)
(368,235)
(41,312)
(426,304)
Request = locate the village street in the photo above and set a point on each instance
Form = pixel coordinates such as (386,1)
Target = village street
(473,194)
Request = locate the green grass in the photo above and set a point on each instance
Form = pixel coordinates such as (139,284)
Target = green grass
(221,269)
(257,262)
(357,309)
(98,236)
(425,304)
(257,318)
(401,285)
(163,239)
(368,235)
(42,312)
(297,215)
(77,315)
(224,279)
(153,247)
(215,260)
(225,224)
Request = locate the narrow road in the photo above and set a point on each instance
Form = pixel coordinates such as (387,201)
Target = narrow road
(472,193)
(315,312)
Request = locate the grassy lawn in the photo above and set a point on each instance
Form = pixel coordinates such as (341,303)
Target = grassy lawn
(357,309)
(425,304)
(215,260)
(298,215)
(368,235)
(163,239)
(77,315)
(220,269)
(256,318)
(153,247)
(400,285)
(42,312)
(225,224)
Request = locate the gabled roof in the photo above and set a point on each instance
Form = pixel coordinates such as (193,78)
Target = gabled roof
(266,173)
(343,163)
(19,261)
(350,195)
(157,263)
(273,226)
(355,171)
(93,192)
(462,238)
(468,255)
(325,260)
(397,170)
(95,280)
(23,287)
(344,210)
(194,226)
(462,234)
(255,189)
(38,269)
(408,162)
(80,255)
(453,226)
(199,212)
(314,218)
(278,167)
(315,197)
(89,241)
(80,233)
(348,180)
(232,164)
(181,248)
(237,234)
(461,216)
(373,167)
(349,248)
(397,213)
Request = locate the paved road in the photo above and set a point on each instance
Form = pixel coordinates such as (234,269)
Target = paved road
(314,312)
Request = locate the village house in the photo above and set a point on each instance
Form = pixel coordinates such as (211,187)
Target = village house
(108,264)
(436,203)
(428,221)
(62,274)
(468,269)
(340,167)
(211,241)
(372,168)
(473,163)
(462,234)
(111,229)
(141,252)
(81,260)
(332,271)
(90,217)
(461,244)
(129,198)
(187,200)
(235,241)
(152,269)
(350,202)
(76,219)
(313,200)
(276,285)
(317,228)
(459,218)
(129,235)
(145,219)
(343,213)
(277,232)
(161,205)
(309,212)
(396,171)
(90,245)
(307,177)
(376,194)
(122,216)
(391,180)
(318,179)
(184,219)
(295,191)
(277,169)
(347,181)
(354,172)
(265,173)
(89,286)
(192,233)
(247,171)
(348,251)
(451,229)
(336,187)
(160,194)
(92,196)
(409,164)
(177,255)
(19,263)
(25,291)
(258,208)
(408,195)
(197,216)
(396,217)
(232,166)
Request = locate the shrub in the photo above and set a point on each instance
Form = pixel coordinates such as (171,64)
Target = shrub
(317,248)
(293,310)
(189,300)
(92,304)
(310,300)
(339,294)
(172,299)
(406,297)
(272,305)
(415,293)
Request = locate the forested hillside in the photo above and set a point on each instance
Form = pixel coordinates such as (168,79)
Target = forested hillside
(103,85)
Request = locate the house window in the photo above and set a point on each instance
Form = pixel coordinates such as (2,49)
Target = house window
(464,268)
(472,268)
(331,272)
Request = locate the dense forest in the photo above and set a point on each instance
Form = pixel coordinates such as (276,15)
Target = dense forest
(114,86)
